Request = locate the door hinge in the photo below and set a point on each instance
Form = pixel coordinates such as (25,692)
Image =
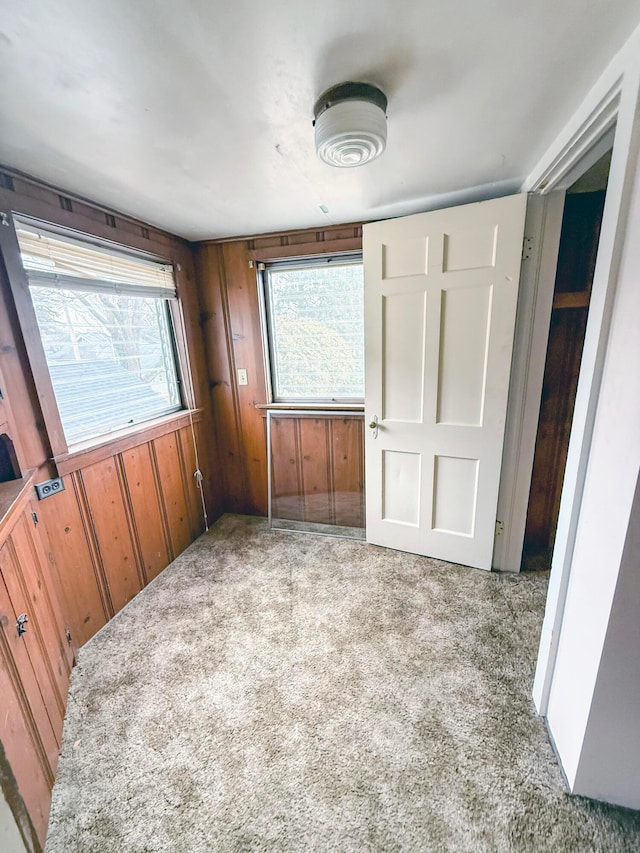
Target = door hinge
(499,528)
(34,516)
(67,634)
(527,248)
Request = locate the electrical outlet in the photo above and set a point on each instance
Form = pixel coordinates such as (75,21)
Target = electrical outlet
(242,376)
(49,487)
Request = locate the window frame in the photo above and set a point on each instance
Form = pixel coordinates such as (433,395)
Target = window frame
(293,263)
(52,429)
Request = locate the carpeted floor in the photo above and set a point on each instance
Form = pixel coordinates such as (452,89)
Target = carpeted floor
(287,692)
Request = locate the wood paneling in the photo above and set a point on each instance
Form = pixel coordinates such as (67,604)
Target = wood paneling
(23,306)
(347,454)
(24,768)
(562,368)
(28,435)
(102,487)
(31,593)
(167,458)
(30,670)
(576,264)
(118,523)
(35,665)
(317,468)
(134,438)
(150,532)
(242,297)
(24,783)
(132,504)
(315,464)
(191,490)
(231,330)
(217,336)
(82,586)
(286,474)
(129,506)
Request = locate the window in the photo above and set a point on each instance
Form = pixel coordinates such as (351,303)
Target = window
(105,323)
(315,327)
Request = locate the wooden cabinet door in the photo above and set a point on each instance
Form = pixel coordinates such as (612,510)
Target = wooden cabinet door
(28,742)
(34,676)
(24,569)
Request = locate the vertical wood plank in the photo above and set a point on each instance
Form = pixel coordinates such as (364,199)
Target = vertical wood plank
(45,565)
(22,757)
(314,450)
(232,334)
(32,642)
(562,368)
(193,314)
(348,470)
(80,582)
(145,505)
(17,661)
(191,490)
(165,451)
(46,406)
(244,314)
(102,485)
(29,437)
(286,497)
(216,333)
(45,641)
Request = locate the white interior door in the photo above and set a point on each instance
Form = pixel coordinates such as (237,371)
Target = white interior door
(441,293)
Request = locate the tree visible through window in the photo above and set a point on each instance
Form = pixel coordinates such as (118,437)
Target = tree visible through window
(316,330)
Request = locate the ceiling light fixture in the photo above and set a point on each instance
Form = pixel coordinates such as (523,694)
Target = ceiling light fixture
(351,124)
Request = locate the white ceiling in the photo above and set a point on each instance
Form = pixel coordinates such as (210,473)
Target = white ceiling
(196,115)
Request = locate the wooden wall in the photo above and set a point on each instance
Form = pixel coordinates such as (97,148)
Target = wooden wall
(122,518)
(34,666)
(317,471)
(227,282)
(130,504)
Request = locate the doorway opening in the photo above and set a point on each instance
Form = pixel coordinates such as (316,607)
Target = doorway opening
(581,222)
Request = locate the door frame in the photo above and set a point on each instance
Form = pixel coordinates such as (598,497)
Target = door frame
(613,101)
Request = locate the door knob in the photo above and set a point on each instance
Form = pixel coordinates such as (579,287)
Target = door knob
(373,424)
(21,624)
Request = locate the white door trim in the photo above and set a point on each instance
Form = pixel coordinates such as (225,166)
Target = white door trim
(535,299)
(581,149)
(619,86)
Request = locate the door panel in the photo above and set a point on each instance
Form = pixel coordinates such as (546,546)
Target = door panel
(440,302)
(404,333)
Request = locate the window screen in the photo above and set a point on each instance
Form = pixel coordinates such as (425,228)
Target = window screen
(105,324)
(315,319)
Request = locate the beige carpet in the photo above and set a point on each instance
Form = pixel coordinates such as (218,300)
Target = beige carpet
(287,692)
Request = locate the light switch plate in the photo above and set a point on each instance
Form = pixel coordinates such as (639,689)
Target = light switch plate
(242,376)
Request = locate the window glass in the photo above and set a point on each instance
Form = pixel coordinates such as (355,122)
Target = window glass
(106,331)
(315,320)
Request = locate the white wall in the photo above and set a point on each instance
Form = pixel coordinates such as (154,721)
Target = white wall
(10,840)
(609,767)
(589,679)
(614,97)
